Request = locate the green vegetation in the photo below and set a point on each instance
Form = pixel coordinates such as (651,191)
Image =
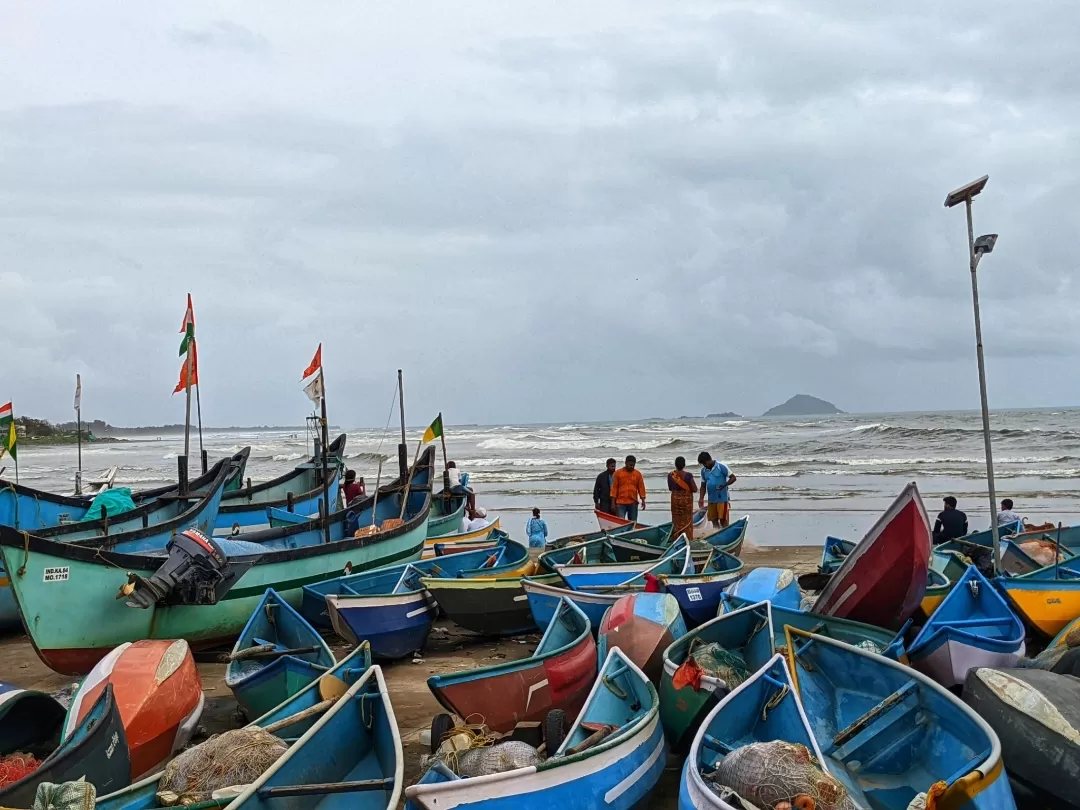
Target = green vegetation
(43,432)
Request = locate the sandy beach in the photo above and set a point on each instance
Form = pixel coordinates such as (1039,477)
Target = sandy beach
(449,649)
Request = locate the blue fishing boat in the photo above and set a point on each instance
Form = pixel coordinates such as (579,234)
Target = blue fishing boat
(350,757)
(591,549)
(578,539)
(777,585)
(634,544)
(30,723)
(589,575)
(391,609)
(302,709)
(699,594)
(973,627)
(889,733)
(277,655)
(612,757)
(762,709)
(642,625)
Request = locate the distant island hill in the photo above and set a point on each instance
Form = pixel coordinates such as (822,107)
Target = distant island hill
(41,431)
(798,405)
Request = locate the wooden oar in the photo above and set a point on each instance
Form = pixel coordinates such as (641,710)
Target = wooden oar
(326,787)
(331,688)
(268,651)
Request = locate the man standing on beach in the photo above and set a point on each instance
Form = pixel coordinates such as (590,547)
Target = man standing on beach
(715,480)
(601,491)
(627,486)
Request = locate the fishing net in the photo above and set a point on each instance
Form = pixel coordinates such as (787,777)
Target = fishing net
(234,758)
(1042,551)
(731,798)
(1047,659)
(15,766)
(79,795)
(500,758)
(715,661)
(772,772)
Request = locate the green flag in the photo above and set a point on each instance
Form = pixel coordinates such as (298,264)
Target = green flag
(434,430)
(8,436)
(187,328)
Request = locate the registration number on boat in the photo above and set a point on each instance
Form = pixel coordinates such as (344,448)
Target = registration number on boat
(56,574)
(693,594)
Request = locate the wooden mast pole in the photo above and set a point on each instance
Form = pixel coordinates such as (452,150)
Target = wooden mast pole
(325,474)
(403,448)
(78,431)
(183,466)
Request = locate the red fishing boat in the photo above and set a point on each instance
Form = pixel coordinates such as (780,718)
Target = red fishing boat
(609,521)
(159,695)
(642,625)
(558,675)
(883,579)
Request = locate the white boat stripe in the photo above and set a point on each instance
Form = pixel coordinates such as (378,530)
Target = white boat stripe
(846,595)
(639,771)
(416,612)
(521,597)
(532,689)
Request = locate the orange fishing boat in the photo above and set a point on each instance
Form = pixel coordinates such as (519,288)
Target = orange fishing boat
(159,694)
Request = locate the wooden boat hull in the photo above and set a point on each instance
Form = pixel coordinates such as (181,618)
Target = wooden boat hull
(395,625)
(95,751)
(937,588)
(158,693)
(490,607)
(883,580)
(642,625)
(9,611)
(526,690)
(1044,603)
(72,643)
(628,544)
(544,596)
(973,628)
(1033,712)
(261,684)
(618,773)
(446,516)
(699,596)
(459,541)
(357,740)
(776,585)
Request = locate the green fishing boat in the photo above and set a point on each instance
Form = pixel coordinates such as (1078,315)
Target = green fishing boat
(67,593)
(446,514)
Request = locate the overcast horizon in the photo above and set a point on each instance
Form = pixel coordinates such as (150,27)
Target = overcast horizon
(542,214)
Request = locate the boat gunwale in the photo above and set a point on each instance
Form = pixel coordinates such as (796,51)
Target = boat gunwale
(235,495)
(710,680)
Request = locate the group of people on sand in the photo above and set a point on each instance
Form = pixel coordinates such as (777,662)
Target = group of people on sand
(620,491)
(952,524)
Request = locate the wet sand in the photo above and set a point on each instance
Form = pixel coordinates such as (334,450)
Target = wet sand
(449,649)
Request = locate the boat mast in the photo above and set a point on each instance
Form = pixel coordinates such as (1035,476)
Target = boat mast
(403,448)
(182,462)
(78,431)
(325,475)
(198,410)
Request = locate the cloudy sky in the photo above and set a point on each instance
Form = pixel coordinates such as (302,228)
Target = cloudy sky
(543,211)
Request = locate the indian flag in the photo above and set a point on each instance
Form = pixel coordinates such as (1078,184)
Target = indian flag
(187,328)
(434,430)
(7,431)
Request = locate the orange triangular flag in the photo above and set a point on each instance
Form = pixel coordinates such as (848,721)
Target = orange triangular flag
(316,364)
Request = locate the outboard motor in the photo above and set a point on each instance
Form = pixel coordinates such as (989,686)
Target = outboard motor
(197,571)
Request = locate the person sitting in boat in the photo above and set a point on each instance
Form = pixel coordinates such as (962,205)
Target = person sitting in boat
(682,486)
(601,491)
(627,486)
(475,524)
(1007,515)
(457,488)
(951,523)
(536,530)
(354,487)
(715,480)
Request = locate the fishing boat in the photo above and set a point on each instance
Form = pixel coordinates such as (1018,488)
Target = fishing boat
(446,512)
(158,692)
(460,541)
(9,611)
(937,588)
(1062,638)
(69,591)
(390,608)
(865,636)
(642,625)
(973,627)
(699,594)
(1035,714)
(30,723)
(102,481)
(277,655)
(577,539)
(628,545)
(762,709)
(289,720)
(613,756)
(592,549)
(490,606)
(588,575)
(1046,599)
(731,646)
(883,579)
(351,756)
(777,585)
(558,675)
(889,733)
(608,521)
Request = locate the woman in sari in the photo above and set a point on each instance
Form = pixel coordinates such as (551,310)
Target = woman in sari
(682,486)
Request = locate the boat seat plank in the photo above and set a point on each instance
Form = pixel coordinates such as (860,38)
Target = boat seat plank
(328,787)
(986,621)
(876,716)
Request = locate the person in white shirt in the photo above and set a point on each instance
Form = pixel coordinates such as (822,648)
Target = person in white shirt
(1007,515)
(457,488)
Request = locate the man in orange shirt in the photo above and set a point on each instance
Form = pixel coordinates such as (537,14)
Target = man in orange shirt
(627,486)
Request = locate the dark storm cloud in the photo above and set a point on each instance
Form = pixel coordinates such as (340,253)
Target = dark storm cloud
(626,212)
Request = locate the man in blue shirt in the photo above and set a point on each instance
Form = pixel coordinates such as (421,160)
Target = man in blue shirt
(715,480)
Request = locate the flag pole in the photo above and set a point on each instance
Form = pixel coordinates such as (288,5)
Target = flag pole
(325,474)
(187,423)
(198,410)
(78,431)
(403,448)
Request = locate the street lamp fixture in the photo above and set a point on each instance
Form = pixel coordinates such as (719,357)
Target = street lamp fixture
(977,248)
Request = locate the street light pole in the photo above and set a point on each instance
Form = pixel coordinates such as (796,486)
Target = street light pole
(985,244)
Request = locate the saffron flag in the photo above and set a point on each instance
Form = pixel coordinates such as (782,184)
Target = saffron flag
(434,430)
(182,385)
(7,431)
(316,364)
(187,328)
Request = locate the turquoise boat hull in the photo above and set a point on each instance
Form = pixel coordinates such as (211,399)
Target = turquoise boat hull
(66,593)
(445,516)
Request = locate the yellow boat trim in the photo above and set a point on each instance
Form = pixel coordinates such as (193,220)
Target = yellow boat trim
(1047,610)
(466,537)
(963,790)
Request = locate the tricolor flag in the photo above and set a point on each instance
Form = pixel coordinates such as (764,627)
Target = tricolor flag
(182,385)
(187,328)
(7,431)
(313,378)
